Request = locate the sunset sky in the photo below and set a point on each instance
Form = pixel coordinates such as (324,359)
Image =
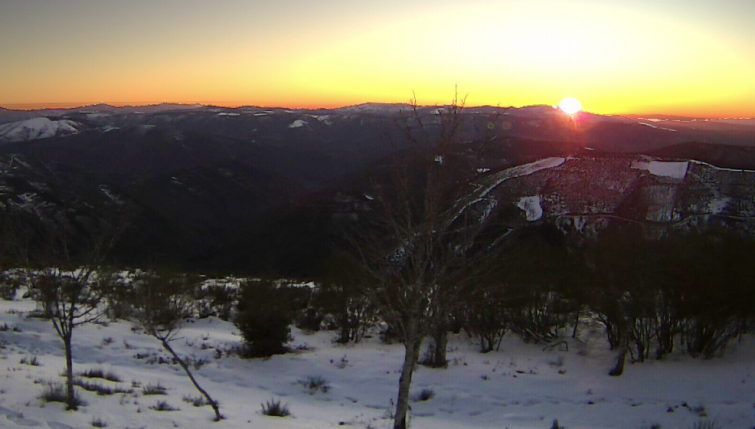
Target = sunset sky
(691,57)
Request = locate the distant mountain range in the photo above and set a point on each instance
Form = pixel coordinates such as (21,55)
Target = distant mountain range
(263,188)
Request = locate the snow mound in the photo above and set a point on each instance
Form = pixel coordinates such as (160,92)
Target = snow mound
(298,124)
(674,170)
(531,207)
(36,128)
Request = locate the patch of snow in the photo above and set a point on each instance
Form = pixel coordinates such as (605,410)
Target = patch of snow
(323,118)
(107,128)
(369,197)
(439,159)
(483,170)
(657,127)
(228,114)
(718,205)
(298,123)
(531,207)
(675,170)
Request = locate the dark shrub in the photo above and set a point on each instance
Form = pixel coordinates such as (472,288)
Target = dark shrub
(263,317)
(274,408)
(100,389)
(8,287)
(100,373)
(163,406)
(154,389)
(338,294)
(216,300)
(56,392)
(315,384)
(485,318)
(540,284)
(98,423)
(425,395)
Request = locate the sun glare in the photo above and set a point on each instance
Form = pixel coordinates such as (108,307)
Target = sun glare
(570,105)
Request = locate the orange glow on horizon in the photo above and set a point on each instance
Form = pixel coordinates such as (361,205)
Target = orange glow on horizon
(638,57)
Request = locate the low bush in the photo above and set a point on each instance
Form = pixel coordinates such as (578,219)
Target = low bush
(33,361)
(56,392)
(424,395)
(163,406)
(264,316)
(216,300)
(197,401)
(100,373)
(6,328)
(274,408)
(98,423)
(8,288)
(315,384)
(100,389)
(705,424)
(154,389)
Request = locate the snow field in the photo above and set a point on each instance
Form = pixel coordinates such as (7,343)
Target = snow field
(520,386)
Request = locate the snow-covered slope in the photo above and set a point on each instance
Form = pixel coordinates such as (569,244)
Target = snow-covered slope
(37,128)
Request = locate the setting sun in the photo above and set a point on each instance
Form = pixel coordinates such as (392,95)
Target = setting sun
(570,105)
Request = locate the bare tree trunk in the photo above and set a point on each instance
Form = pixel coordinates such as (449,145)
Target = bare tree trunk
(440,343)
(619,368)
(412,346)
(69,373)
(576,324)
(344,338)
(212,403)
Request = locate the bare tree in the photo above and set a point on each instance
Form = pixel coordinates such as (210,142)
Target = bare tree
(423,247)
(162,303)
(71,298)
(66,274)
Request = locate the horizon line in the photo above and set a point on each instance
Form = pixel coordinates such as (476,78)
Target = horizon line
(233,105)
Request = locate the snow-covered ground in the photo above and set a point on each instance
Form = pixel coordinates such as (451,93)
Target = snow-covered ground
(520,386)
(675,170)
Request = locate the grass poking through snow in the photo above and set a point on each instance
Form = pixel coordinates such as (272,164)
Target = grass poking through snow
(274,408)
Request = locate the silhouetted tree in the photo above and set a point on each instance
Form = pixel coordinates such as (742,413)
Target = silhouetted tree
(425,233)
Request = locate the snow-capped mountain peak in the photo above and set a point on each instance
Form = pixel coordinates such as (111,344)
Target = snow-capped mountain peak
(37,128)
